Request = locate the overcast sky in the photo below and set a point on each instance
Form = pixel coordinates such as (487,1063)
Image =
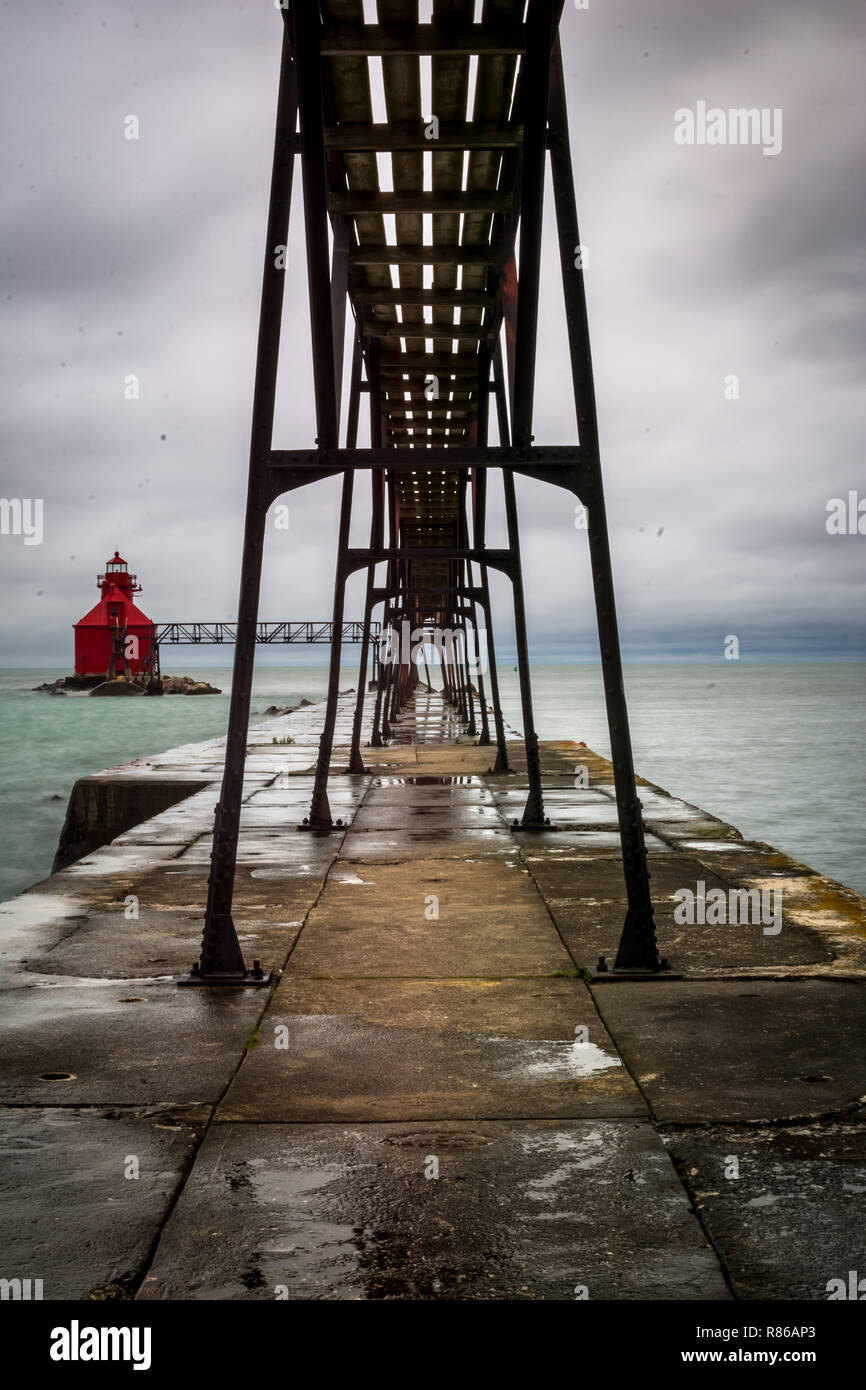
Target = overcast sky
(144,257)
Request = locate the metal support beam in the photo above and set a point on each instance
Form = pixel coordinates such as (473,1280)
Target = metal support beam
(536,79)
(356,762)
(307,39)
(320,811)
(221,961)
(479,529)
(533,812)
(638,950)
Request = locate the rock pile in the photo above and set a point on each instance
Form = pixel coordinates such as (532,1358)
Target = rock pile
(185,685)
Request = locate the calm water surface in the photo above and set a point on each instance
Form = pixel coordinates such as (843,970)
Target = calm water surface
(779,751)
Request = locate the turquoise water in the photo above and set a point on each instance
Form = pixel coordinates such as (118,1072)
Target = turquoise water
(779,751)
(47,742)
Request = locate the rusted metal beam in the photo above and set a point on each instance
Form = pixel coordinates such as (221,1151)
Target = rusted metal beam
(421,201)
(412,40)
(536,78)
(638,949)
(413,135)
(441,364)
(451,254)
(392,334)
(306,39)
(441,299)
(467,456)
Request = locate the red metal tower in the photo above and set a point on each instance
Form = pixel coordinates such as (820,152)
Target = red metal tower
(115,638)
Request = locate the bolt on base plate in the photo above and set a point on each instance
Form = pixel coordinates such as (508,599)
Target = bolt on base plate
(602,973)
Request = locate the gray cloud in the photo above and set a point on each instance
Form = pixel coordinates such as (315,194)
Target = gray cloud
(145,257)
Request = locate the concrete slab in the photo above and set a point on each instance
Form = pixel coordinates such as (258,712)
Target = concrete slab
(121,1042)
(438,797)
(557,795)
(165,941)
(597,811)
(184,884)
(114,860)
(752,1050)
(392,847)
(376,815)
(593,928)
(308,852)
(291,794)
(521,1211)
(588,906)
(85,1192)
(549,844)
(376,921)
(785,1206)
(366,1050)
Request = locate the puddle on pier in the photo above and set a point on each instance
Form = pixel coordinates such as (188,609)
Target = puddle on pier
(427,781)
(555,1059)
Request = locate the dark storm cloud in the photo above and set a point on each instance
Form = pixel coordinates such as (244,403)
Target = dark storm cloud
(144,257)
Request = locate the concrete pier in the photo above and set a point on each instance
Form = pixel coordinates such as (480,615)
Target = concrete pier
(433,1102)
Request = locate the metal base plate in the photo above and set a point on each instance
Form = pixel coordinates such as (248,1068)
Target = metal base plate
(600,977)
(247,977)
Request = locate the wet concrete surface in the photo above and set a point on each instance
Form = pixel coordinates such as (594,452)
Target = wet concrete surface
(83,1192)
(397,846)
(785,1206)
(386,1049)
(431,1007)
(120,1042)
(413,919)
(410,817)
(758,1049)
(585,900)
(516,1211)
(163,941)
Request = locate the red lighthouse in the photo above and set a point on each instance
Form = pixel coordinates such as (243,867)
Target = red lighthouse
(115,638)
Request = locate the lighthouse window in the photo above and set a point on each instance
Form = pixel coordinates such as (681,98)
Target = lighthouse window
(114,610)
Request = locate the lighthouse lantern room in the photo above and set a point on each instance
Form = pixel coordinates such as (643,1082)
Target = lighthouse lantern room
(115,638)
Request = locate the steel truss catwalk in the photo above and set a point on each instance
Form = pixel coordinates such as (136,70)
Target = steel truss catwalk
(301,633)
(427,269)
